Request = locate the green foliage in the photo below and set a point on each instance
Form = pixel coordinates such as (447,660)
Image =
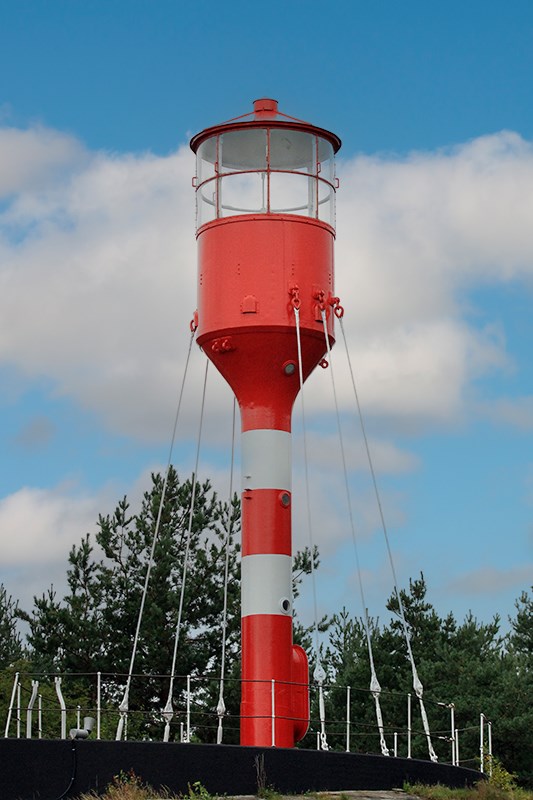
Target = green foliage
(92,627)
(499,776)
(11,647)
(198,791)
(438,792)
(128,786)
(521,638)
(470,664)
(484,790)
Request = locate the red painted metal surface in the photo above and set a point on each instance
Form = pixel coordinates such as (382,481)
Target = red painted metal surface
(251,269)
(254,269)
(267,522)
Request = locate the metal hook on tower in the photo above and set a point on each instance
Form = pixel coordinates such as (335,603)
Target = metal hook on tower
(294,294)
(338,310)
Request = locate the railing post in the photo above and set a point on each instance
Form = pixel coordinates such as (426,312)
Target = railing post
(11,704)
(489,726)
(409,725)
(188,708)
(40,717)
(457,762)
(98,703)
(395,744)
(452,724)
(29,710)
(18,711)
(348,719)
(481,741)
(57,681)
(273,712)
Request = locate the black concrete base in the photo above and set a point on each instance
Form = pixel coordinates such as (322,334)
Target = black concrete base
(49,770)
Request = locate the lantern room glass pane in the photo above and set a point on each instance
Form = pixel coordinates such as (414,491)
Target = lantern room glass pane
(326,203)
(205,159)
(291,193)
(243,193)
(292,150)
(206,207)
(326,161)
(242,150)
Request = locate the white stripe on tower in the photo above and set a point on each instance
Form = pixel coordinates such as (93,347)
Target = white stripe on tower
(266,585)
(266,459)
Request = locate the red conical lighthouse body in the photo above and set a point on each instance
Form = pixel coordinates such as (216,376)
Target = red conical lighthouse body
(265,187)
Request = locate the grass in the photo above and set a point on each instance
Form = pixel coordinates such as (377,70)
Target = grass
(128,786)
(134,789)
(485,790)
(501,786)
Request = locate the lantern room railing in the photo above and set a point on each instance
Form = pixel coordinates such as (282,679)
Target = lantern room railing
(265,171)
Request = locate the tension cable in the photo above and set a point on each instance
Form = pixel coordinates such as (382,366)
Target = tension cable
(319,674)
(375,687)
(221,706)
(168,711)
(123,707)
(417,684)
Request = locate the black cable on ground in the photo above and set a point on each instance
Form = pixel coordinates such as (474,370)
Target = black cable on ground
(73,776)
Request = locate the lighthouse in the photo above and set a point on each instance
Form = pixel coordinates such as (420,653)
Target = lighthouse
(265,197)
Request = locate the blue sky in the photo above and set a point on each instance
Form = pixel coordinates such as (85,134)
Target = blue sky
(434,267)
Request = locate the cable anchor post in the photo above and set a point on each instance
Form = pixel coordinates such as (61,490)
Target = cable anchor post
(319,675)
(221,713)
(168,716)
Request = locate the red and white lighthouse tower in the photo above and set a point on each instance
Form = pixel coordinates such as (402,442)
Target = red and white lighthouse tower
(265,187)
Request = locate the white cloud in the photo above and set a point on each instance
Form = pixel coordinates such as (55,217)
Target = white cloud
(38,526)
(98,273)
(515,411)
(490,580)
(29,159)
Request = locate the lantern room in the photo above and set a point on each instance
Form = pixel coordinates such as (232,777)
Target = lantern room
(265,162)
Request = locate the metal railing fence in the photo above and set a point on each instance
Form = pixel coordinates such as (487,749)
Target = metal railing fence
(52,705)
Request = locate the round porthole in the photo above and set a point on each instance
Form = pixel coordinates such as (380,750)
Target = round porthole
(285,605)
(285,499)
(289,368)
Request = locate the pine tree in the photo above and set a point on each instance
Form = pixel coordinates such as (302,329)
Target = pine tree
(92,628)
(11,647)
